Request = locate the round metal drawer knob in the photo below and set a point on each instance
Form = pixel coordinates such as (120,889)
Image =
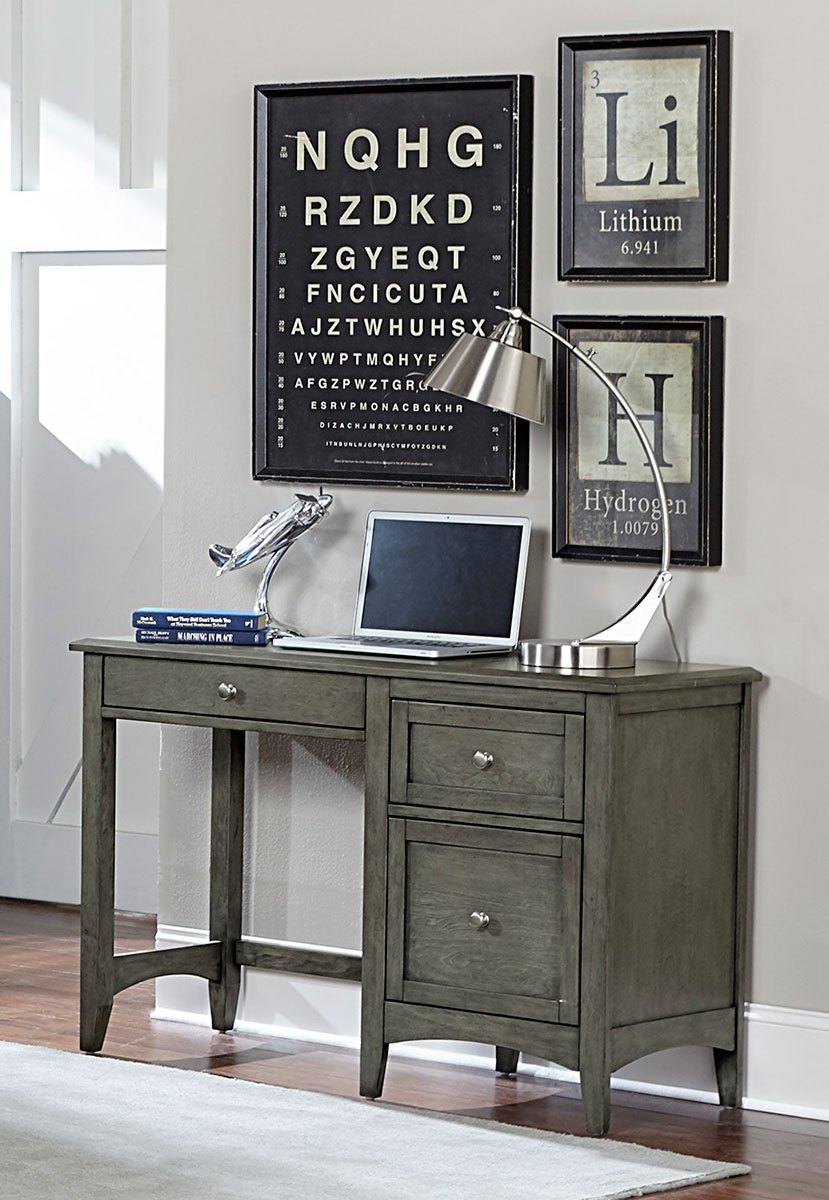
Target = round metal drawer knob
(482,759)
(478,920)
(226,691)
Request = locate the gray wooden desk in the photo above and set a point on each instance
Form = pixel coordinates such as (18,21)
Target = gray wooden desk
(554,862)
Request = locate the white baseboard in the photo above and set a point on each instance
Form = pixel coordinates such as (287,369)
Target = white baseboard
(787,1066)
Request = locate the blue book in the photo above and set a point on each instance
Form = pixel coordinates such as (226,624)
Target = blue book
(205,637)
(198,618)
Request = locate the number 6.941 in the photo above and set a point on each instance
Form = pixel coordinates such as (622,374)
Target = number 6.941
(640,247)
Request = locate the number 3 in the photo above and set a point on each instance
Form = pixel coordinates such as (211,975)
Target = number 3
(594,75)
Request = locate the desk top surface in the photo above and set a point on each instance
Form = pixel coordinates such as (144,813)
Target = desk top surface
(495,669)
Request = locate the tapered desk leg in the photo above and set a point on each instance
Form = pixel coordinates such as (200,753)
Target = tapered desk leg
(97,861)
(373,1047)
(226,831)
(729,1067)
(594,1017)
(595,1098)
(506,1060)
(730,1064)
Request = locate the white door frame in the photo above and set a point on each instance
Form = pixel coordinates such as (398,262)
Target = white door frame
(110,217)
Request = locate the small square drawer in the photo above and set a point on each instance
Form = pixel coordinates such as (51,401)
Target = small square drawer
(510,761)
(226,690)
(484,920)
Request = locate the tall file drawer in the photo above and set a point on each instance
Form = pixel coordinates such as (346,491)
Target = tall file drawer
(484,920)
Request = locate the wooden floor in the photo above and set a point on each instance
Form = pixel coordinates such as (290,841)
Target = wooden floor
(38,1005)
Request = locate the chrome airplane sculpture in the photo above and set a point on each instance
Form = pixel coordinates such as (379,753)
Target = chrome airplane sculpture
(272,537)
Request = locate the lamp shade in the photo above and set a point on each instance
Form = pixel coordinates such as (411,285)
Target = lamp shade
(494,371)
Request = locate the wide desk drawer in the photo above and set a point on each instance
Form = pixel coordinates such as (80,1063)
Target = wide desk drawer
(487,759)
(225,690)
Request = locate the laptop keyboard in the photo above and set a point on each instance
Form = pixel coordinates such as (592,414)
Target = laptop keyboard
(398,641)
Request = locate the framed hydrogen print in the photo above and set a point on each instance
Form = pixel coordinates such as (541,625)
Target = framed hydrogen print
(605,506)
(389,217)
(644,156)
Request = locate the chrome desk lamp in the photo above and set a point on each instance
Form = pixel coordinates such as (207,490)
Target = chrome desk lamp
(497,372)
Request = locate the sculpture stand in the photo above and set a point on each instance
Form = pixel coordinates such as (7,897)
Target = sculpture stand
(275,629)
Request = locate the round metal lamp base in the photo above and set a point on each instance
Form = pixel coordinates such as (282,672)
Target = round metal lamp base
(582,656)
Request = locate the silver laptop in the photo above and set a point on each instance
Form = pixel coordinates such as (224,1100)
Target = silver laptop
(435,586)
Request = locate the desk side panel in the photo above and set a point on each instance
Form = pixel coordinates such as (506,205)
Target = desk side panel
(673,864)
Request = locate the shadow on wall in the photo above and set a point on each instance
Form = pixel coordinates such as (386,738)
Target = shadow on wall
(89,551)
(5,616)
(306,835)
(534,590)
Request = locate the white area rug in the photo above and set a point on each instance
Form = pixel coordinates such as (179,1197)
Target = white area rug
(93,1128)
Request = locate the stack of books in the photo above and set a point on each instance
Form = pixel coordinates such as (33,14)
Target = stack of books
(200,626)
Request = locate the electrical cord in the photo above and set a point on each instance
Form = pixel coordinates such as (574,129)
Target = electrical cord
(670,629)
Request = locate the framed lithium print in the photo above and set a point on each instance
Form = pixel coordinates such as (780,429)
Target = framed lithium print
(389,218)
(644,156)
(670,370)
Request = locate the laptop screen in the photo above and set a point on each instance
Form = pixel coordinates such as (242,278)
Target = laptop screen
(454,577)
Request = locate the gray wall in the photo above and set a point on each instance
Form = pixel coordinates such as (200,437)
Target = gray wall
(767,606)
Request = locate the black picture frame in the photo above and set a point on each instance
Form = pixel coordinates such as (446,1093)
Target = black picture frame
(363,418)
(644,157)
(605,505)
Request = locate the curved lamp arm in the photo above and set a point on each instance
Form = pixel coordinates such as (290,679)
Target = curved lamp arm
(633,624)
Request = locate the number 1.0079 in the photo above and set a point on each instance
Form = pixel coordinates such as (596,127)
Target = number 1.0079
(637,528)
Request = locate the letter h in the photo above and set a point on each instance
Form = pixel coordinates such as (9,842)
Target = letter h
(615,413)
